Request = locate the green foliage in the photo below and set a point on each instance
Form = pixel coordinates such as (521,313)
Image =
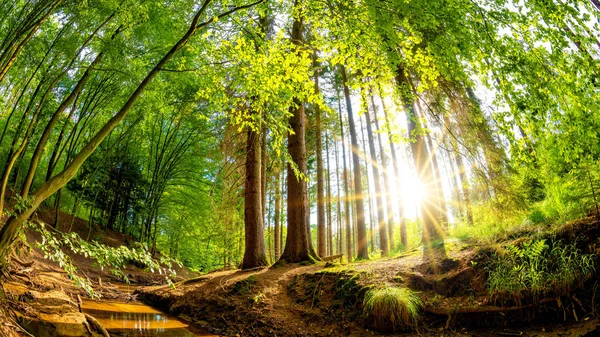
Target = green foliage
(391,308)
(535,270)
(53,247)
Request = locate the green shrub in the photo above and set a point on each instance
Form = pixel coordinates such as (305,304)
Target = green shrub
(391,309)
(534,270)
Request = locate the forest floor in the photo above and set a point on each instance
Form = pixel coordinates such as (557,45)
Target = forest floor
(326,299)
(323,299)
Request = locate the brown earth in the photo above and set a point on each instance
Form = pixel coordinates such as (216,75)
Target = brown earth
(38,294)
(326,300)
(314,300)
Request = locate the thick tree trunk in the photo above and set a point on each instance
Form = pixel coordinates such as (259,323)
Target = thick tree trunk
(298,246)
(361,230)
(254,230)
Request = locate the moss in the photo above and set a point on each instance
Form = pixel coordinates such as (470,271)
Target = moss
(244,286)
(391,309)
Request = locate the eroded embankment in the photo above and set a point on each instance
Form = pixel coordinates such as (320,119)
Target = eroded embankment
(471,289)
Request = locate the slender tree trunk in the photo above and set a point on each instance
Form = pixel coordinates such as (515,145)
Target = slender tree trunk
(363,252)
(397,185)
(338,207)
(347,197)
(321,228)
(368,186)
(462,175)
(439,192)
(388,180)
(277,215)
(263,172)
(329,219)
(381,223)
(431,229)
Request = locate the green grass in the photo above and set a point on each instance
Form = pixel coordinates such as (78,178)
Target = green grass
(391,309)
(535,270)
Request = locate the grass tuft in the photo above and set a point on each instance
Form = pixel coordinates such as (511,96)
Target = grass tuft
(391,309)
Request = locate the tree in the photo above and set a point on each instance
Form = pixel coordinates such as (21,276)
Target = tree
(298,247)
(381,221)
(9,230)
(363,252)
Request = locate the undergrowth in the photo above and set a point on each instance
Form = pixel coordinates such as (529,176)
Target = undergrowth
(391,308)
(535,270)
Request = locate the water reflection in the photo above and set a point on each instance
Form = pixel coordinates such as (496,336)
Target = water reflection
(138,320)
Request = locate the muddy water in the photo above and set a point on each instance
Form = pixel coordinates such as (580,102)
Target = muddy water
(138,320)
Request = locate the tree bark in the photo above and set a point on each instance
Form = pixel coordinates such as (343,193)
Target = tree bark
(368,186)
(381,224)
(346,187)
(277,215)
(254,229)
(363,252)
(397,184)
(321,228)
(298,247)
(329,219)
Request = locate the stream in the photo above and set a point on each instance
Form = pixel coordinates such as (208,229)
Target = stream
(135,319)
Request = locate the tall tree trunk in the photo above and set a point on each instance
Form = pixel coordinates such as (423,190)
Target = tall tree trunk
(361,229)
(329,219)
(381,190)
(368,186)
(381,224)
(298,246)
(347,197)
(277,215)
(462,175)
(338,207)
(439,191)
(431,229)
(321,229)
(254,230)
(263,172)
(397,183)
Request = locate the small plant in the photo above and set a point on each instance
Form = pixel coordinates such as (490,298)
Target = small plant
(53,244)
(391,309)
(535,270)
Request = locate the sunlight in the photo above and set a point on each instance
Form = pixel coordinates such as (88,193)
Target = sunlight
(414,191)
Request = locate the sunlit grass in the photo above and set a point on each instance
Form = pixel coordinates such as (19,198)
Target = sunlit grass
(392,308)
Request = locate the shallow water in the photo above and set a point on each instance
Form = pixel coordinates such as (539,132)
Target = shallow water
(138,320)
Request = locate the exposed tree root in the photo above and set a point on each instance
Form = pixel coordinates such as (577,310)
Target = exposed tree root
(94,322)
